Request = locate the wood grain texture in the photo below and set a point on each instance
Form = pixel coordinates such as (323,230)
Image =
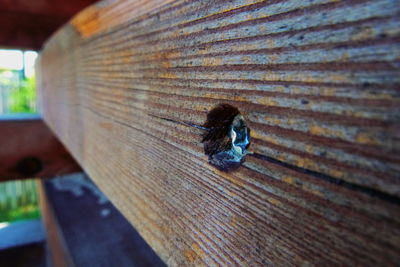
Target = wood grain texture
(318,82)
(29,149)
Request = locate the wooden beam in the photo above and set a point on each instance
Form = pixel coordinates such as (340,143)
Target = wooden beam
(27,31)
(29,149)
(54,8)
(59,255)
(27,24)
(317,83)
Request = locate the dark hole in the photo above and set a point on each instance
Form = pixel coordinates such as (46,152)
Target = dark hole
(29,166)
(366,84)
(226,138)
(382,35)
(219,119)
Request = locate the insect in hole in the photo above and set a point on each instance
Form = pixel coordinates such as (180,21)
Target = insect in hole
(226,136)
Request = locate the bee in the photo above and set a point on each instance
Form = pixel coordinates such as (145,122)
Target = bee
(226,137)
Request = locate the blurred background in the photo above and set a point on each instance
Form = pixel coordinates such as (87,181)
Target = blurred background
(17,81)
(25,27)
(21,232)
(18,199)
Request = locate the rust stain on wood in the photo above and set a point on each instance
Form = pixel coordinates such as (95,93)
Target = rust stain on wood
(318,83)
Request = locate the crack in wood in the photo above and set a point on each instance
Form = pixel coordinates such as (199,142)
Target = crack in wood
(352,186)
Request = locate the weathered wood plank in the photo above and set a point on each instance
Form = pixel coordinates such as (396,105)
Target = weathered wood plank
(29,149)
(318,83)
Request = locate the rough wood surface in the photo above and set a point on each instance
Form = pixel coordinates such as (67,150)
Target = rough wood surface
(318,82)
(29,149)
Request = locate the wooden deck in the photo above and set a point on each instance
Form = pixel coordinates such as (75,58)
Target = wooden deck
(318,84)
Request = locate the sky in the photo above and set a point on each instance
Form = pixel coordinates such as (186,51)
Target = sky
(13,59)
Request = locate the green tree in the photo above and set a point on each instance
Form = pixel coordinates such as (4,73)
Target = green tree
(23,99)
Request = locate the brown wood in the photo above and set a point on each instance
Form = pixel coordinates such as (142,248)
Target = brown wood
(27,24)
(58,251)
(29,149)
(317,82)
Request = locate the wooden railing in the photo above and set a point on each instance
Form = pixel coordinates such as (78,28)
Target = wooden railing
(317,83)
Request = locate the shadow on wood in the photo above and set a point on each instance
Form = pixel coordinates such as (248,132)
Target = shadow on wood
(29,149)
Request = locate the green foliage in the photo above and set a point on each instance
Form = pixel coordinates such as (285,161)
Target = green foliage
(26,212)
(23,99)
(19,200)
